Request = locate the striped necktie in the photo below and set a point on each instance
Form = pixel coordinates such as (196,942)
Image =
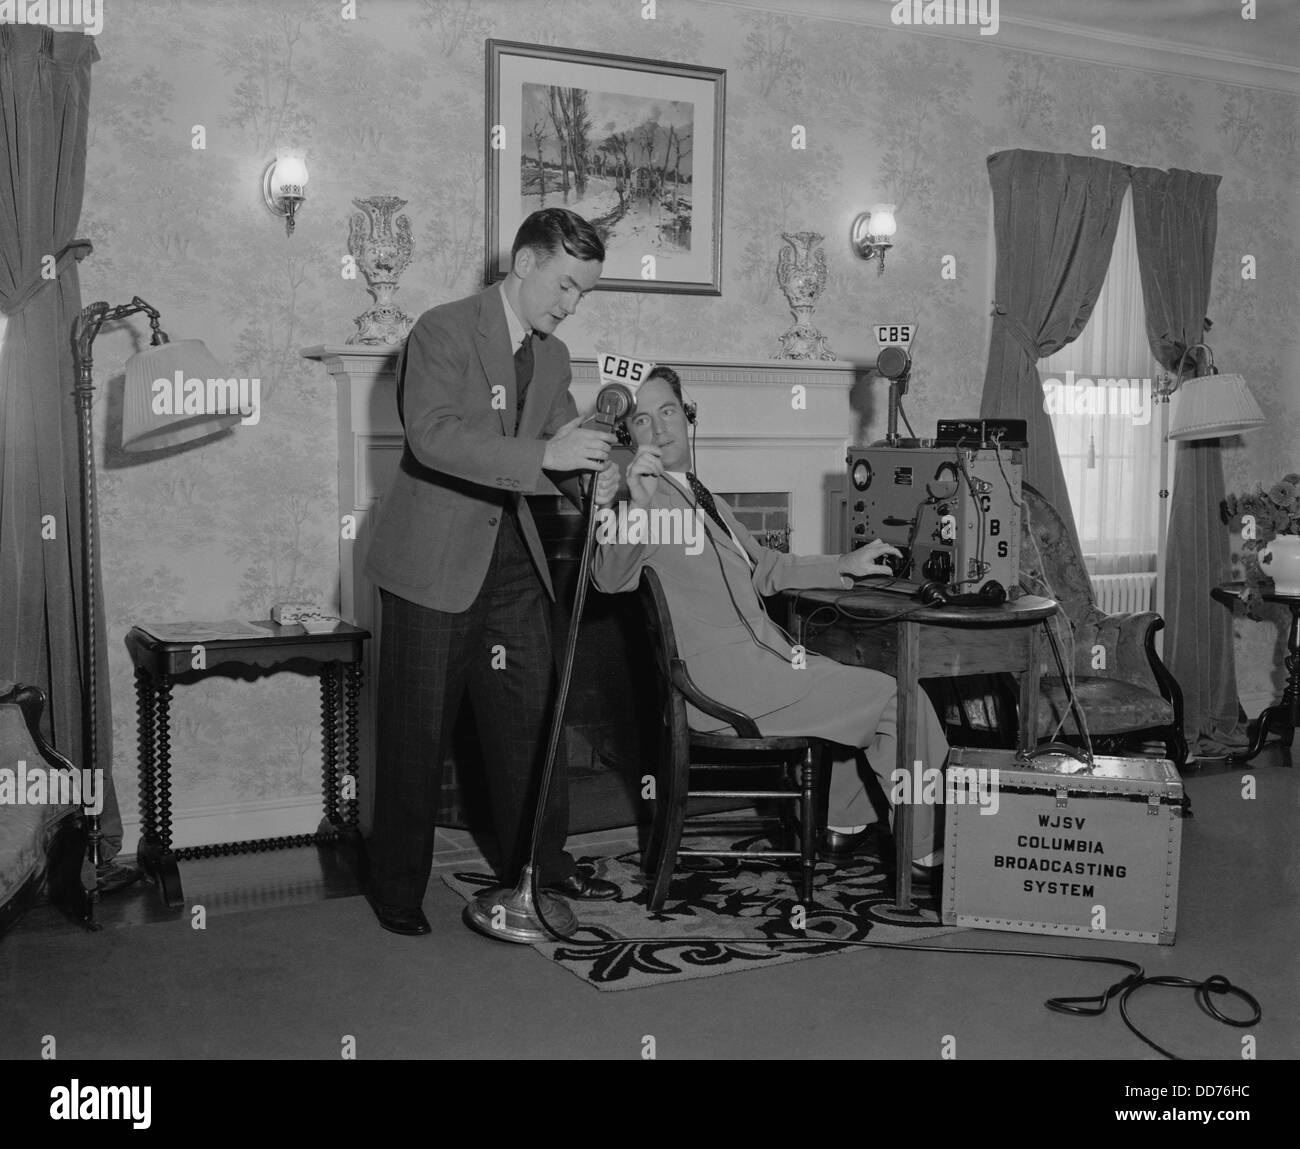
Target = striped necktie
(523,374)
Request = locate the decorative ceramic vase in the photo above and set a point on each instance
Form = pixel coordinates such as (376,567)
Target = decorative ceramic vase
(382,248)
(1280,561)
(801,272)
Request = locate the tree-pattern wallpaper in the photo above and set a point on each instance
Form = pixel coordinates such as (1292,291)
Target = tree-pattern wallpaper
(391,102)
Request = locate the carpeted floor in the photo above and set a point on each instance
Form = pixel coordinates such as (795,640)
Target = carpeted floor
(296,981)
(714,904)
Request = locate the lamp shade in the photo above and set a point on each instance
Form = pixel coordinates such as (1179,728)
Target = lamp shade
(882,219)
(176,393)
(1212,406)
(289,176)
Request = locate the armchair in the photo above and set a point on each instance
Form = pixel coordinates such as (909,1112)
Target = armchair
(1132,696)
(42,847)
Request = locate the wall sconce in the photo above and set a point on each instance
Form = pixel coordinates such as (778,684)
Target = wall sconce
(869,235)
(284,187)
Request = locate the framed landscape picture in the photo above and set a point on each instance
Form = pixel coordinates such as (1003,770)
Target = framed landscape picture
(633,146)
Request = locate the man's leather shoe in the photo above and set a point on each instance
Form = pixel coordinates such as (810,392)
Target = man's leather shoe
(586,887)
(930,875)
(837,847)
(401,919)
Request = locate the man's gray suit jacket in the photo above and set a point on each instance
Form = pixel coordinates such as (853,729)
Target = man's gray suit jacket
(463,463)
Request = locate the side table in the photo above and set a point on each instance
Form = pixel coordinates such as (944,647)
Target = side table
(896,635)
(1285,716)
(160,665)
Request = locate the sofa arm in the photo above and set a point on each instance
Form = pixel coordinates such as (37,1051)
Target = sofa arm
(27,830)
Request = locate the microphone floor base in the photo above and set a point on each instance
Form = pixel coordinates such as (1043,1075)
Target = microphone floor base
(513,916)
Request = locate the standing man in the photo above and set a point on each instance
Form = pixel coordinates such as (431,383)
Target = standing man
(462,576)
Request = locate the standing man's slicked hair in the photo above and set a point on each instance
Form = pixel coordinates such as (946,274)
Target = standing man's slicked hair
(558,227)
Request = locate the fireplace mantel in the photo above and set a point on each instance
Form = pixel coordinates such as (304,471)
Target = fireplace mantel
(763,425)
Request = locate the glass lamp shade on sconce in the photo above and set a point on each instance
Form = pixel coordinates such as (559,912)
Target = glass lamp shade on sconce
(870,232)
(284,188)
(161,383)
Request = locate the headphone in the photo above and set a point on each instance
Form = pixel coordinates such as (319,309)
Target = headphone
(992,593)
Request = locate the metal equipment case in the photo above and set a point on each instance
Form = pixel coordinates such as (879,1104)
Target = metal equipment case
(1052,845)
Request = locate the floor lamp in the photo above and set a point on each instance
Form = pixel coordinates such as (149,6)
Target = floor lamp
(1208,406)
(144,428)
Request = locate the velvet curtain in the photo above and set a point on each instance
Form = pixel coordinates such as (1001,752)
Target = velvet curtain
(44,101)
(1054,219)
(1176,218)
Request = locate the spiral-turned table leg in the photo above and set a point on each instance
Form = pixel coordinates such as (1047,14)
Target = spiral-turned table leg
(155,852)
(329,728)
(351,741)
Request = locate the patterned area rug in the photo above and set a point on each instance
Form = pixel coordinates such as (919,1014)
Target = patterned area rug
(724,898)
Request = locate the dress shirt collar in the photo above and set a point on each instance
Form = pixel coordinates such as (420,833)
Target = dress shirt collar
(514,324)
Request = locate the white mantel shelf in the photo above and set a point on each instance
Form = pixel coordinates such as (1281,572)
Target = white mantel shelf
(354,358)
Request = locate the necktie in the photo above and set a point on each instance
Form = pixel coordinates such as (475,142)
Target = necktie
(523,374)
(704,497)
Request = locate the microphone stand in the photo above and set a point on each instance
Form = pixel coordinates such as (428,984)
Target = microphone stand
(527,914)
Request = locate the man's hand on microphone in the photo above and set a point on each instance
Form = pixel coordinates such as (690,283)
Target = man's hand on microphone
(608,482)
(575,448)
(866,560)
(643,475)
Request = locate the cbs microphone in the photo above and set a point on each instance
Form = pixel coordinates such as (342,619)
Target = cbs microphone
(614,402)
(620,379)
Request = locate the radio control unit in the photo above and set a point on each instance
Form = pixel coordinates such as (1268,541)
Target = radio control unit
(953,511)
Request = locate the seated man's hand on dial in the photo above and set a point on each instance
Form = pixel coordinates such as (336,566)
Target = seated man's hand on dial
(867,560)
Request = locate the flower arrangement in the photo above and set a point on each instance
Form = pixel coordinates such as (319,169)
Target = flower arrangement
(1262,516)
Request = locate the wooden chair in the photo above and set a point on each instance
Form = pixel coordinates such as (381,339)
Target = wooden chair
(676,743)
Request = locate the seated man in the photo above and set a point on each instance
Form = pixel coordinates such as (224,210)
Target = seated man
(734,652)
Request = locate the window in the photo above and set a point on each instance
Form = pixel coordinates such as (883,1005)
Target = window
(1098,392)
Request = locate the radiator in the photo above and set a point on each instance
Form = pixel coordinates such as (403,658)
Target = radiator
(1122,593)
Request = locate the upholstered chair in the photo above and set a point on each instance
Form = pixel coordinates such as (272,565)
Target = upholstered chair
(42,847)
(1126,692)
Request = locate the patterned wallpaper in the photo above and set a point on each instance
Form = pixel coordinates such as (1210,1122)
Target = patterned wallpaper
(392,102)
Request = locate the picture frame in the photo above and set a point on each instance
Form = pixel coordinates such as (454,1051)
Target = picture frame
(634,146)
